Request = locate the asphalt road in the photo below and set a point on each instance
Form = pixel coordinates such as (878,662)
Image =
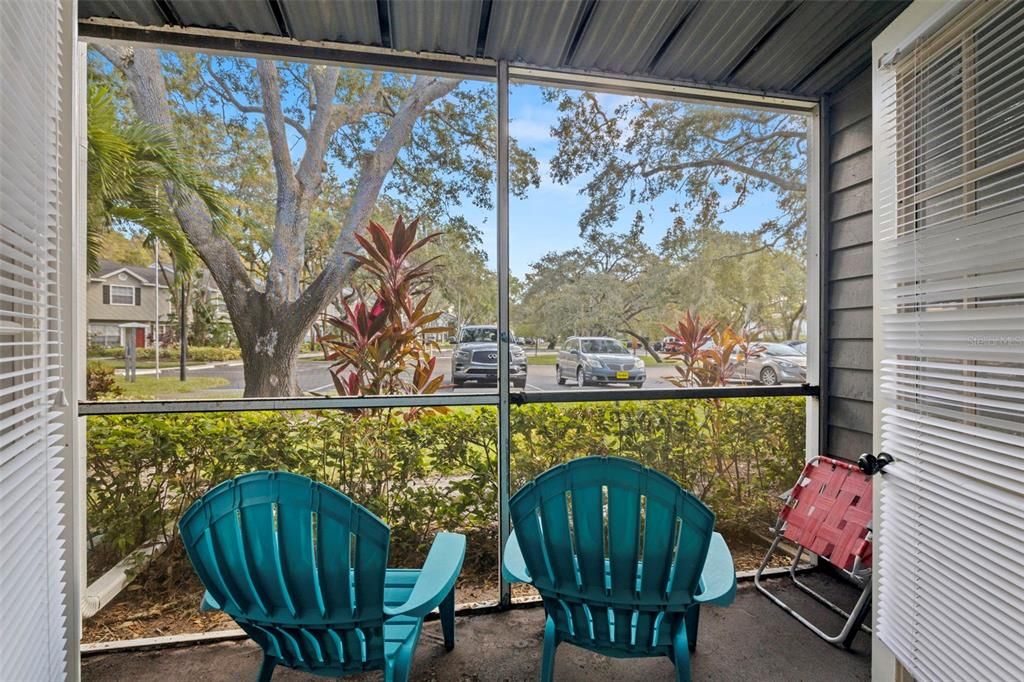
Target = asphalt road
(313,376)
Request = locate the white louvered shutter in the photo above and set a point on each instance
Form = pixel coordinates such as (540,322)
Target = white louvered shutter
(32,619)
(951,270)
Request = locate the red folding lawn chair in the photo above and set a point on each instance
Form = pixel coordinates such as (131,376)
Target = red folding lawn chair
(828,513)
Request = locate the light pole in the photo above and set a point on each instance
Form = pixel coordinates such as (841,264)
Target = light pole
(156,289)
(182,336)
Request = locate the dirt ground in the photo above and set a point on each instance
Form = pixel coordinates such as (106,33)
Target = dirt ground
(164,599)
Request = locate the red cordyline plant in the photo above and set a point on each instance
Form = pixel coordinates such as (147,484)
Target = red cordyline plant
(379,346)
(705,351)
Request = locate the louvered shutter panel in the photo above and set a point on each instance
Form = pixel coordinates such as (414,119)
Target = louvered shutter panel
(138,295)
(106,293)
(951,270)
(32,621)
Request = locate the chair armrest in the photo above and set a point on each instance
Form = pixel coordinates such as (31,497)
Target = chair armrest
(718,578)
(209,603)
(513,567)
(436,579)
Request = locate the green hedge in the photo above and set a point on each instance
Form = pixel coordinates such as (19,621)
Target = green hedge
(195,353)
(438,471)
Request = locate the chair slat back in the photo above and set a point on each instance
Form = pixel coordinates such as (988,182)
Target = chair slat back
(610,545)
(297,564)
(829,512)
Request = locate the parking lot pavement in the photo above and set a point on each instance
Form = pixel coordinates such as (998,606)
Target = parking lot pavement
(314,377)
(542,378)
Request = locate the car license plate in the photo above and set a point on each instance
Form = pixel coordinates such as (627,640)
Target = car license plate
(622,375)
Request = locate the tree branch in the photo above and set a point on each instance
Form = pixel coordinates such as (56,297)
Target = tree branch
(273,119)
(777,180)
(225,92)
(374,169)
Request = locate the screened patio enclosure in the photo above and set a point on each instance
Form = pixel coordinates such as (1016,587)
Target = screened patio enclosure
(914,283)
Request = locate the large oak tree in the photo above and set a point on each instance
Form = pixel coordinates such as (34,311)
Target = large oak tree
(708,159)
(425,139)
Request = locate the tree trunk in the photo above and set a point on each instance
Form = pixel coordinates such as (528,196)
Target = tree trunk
(645,342)
(270,342)
(271,322)
(272,374)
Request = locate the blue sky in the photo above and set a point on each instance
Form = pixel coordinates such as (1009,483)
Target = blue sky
(546,220)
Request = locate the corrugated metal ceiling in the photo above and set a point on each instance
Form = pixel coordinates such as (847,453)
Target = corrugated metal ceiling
(775,46)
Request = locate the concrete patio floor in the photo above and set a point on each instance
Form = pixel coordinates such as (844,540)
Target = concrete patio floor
(751,640)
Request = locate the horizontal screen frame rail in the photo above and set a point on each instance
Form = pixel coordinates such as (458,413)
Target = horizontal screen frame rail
(96,408)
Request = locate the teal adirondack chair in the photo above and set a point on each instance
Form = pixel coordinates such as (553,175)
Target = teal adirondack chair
(622,557)
(303,570)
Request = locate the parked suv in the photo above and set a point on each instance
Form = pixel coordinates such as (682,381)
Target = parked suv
(475,357)
(669,344)
(587,360)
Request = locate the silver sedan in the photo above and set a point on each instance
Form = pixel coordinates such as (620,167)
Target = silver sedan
(772,363)
(598,360)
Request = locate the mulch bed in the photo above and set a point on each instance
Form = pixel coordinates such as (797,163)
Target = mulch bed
(164,599)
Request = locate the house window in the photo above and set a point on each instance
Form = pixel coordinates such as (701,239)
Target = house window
(105,335)
(960,150)
(122,295)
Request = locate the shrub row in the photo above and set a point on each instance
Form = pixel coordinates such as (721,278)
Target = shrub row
(195,353)
(438,471)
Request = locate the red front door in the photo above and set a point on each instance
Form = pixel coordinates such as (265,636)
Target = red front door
(140,337)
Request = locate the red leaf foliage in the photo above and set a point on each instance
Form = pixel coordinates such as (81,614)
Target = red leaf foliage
(378,347)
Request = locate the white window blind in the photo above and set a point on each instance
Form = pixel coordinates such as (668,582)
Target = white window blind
(32,619)
(951,245)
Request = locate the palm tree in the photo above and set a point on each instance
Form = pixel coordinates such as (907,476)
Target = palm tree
(130,163)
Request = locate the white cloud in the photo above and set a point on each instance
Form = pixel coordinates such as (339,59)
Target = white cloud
(526,130)
(609,101)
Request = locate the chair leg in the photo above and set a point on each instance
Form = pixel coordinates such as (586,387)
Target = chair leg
(857,617)
(692,622)
(266,668)
(681,654)
(397,670)
(547,668)
(448,620)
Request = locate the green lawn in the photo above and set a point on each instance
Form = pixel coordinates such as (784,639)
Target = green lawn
(165,363)
(168,386)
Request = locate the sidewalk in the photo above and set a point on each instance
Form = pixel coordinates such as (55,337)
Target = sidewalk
(151,371)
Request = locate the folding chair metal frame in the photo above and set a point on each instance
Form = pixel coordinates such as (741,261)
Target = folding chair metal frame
(859,572)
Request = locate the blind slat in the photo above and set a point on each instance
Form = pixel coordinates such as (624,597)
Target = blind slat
(33,627)
(950,267)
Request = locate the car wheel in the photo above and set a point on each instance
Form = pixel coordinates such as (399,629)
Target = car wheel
(519,383)
(580,381)
(558,375)
(637,384)
(769,377)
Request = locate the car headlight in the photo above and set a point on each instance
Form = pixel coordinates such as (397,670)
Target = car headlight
(788,365)
(593,362)
(462,355)
(519,354)
(639,364)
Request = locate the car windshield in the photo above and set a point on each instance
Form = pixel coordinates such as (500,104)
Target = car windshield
(780,349)
(609,346)
(479,335)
